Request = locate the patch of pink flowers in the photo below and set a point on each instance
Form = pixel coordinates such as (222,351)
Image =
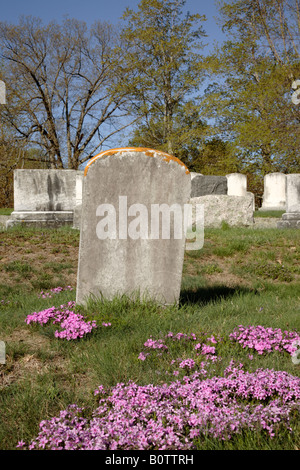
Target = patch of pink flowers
(265,340)
(200,349)
(72,325)
(55,290)
(175,416)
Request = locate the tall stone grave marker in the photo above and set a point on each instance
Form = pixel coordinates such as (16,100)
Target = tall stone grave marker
(236,184)
(291,218)
(274,197)
(125,248)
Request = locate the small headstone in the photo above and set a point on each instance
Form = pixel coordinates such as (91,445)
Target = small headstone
(236,211)
(2,352)
(274,197)
(2,93)
(291,218)
(236,184)
(204,185)
(132,238)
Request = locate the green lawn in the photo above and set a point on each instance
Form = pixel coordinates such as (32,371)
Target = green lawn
(240,277)
(5,211)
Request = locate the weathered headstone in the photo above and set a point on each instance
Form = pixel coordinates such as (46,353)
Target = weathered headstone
(2,92)
(44,197)
(203,185)
(236,211)
(236,184)
(2,352)
(274,197)
(126,247)
(291,218)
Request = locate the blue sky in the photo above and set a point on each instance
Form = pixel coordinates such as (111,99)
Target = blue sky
(105,10)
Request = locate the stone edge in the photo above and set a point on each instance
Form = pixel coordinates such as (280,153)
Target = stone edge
(149,152)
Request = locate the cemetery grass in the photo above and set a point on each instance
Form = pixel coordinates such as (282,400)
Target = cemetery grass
(268,213)
(240,277)
(5,211)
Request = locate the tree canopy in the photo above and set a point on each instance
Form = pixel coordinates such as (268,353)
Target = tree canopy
(252,75)
(164,68)
(71,88)
(60,87)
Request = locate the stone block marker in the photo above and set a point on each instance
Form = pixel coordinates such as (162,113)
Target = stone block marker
(236,211)
(43,197)
(204,185)
(274,197)
(126,245)
(291,218)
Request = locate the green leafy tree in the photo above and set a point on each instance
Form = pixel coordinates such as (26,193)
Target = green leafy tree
(250,94)
(194,147)
(163,68)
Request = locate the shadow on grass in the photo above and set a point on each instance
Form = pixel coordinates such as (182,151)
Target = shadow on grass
(212,294)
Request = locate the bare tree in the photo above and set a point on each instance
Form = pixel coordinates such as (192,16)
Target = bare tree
(62,91)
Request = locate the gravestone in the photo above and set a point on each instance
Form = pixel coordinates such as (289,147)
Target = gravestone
(2,92)
(236,184)
(2,352)
(203,185)
(236,211)
(274,197)
(43,197)
(291,218)
(125,248)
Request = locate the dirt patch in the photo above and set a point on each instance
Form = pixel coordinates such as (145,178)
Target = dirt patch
(37,265)
(26,336)
(19,365)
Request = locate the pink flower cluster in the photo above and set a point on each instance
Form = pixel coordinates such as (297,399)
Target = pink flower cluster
(155,344)
(264,339)
(73,325)
(55,290)
(175,416)
(201,348)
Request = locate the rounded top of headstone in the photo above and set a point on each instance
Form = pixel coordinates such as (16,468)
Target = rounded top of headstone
(146,151)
